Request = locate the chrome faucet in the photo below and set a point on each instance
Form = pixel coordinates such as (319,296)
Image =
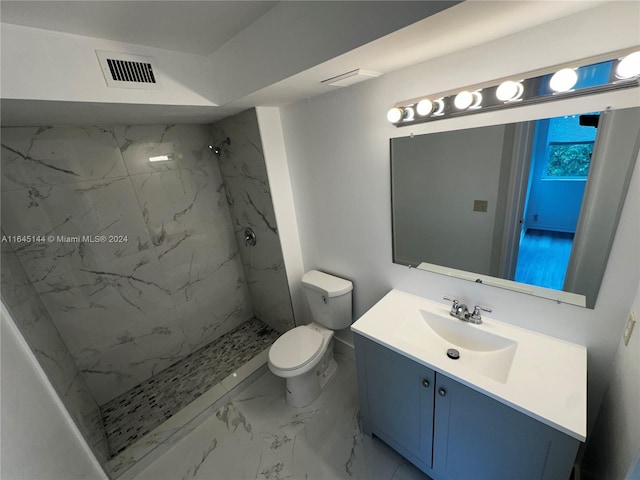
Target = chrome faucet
(460,311)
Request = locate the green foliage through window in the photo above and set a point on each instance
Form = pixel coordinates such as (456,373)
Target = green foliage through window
(570,159)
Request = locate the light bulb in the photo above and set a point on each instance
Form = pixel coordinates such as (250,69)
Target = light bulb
(463,100)
(395,114)
(408,115)
(477,99)
(509,91)
(439,107)
(629,66)
(424,107)
(563,80)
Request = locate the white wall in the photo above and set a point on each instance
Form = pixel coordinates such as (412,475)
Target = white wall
(39,439)
(338,154)
(45,65)
(614,446)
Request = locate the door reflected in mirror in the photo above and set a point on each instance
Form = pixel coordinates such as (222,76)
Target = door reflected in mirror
(560,160)
(530,206)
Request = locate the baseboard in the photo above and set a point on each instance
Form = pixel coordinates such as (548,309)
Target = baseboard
(344,348)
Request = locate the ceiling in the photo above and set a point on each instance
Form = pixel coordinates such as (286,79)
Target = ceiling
(198,27)
(203,27)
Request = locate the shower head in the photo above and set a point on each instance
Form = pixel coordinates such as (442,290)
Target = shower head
(218,149)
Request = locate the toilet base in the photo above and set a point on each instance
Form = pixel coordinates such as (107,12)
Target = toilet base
(304,389)
(328,373)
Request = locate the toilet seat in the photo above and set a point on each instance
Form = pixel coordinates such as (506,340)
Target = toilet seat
(296,348)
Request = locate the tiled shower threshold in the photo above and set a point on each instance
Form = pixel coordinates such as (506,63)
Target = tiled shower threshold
(128,462)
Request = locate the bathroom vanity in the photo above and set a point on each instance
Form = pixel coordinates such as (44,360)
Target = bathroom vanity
(512,406)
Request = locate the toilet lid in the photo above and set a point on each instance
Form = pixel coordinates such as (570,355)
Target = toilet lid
(295,348)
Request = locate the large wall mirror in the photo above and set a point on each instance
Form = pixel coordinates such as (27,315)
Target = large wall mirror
(530,206)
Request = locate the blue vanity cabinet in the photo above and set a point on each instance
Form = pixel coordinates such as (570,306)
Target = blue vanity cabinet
(396,400)
(477,437)
(450,431)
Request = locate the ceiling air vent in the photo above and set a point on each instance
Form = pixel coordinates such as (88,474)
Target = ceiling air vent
(354,76)
(122,70)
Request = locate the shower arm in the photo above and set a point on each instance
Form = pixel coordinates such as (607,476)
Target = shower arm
(218,149)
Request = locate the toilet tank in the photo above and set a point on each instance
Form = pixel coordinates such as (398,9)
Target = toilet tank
(329,299)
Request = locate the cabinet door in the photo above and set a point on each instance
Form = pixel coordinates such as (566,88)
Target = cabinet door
(477,437)
(398,400)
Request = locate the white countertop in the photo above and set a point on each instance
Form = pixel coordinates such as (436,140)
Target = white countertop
(547,379)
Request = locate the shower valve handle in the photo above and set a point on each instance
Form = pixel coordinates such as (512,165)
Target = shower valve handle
(249,237)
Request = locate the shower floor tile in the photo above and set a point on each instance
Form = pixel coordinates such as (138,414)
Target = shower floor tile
(135,413)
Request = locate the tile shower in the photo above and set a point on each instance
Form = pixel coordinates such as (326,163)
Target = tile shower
(168,274)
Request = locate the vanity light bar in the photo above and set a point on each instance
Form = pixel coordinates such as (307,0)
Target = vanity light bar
(612,74)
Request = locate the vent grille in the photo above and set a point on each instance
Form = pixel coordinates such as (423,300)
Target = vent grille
(349,78)
(124,71)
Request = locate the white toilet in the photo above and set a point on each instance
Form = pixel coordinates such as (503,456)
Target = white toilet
(304,355)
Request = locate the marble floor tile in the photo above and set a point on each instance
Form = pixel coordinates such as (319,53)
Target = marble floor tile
(258,435)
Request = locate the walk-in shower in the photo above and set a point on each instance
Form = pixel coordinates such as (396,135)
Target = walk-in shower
(135,287)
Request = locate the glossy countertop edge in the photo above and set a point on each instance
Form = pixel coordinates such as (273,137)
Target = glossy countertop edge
(551,388)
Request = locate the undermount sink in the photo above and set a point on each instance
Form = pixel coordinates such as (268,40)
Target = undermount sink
(481,351)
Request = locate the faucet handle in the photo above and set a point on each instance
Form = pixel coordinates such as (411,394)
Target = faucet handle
(477,308)
(476,317)
(455,305)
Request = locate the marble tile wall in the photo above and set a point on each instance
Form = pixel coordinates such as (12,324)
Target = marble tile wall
(161,275)
(36,326)
(249,197)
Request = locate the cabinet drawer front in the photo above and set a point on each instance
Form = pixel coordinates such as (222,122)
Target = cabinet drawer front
(399,398)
